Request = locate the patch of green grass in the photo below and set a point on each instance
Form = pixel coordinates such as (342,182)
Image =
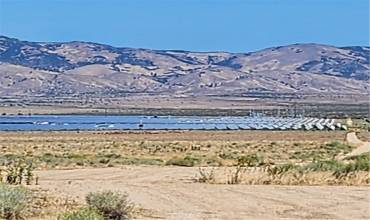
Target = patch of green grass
(358,163)
(326,165)
(336,147)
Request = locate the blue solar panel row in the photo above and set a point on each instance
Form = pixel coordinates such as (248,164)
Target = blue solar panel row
(72,122)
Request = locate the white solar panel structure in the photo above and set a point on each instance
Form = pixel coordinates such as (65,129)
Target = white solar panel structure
(248,123)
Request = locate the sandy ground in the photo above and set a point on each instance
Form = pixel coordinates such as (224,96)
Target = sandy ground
(362,146)
(170,193)
(233,135)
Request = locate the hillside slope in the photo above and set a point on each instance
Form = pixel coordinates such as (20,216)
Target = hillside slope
(83,68)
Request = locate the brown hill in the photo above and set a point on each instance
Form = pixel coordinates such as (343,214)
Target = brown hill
(83,68)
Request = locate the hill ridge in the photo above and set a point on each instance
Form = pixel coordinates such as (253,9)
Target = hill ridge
(80,68)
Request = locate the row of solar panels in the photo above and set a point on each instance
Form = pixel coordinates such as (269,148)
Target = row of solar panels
(178,123)
(255,124)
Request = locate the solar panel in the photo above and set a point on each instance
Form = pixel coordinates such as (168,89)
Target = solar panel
(221,127)
(244,126)
(232,127)
(319,126)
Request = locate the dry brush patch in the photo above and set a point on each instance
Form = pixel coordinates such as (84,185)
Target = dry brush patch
(59,150)
(356,171)
(226,160)
(18,202)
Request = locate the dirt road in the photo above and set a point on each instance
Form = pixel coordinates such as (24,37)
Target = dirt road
(170,193)
(362,146)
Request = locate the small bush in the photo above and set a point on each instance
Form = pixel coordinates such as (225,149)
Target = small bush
(81,214)
(236,175)
(252,160)
(16,171)
(112,205)
(187,161)
(206,176)
(13,202)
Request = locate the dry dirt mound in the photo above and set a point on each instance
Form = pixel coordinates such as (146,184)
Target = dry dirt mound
(170,193)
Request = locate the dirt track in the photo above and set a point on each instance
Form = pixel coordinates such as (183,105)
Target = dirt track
(170,193)
(362,146)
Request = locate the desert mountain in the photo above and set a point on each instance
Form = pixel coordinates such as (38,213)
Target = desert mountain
(84,68)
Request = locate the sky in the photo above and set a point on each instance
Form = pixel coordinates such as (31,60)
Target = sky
(196,25)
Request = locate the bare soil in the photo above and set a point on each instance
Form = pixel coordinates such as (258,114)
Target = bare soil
(171,193)
(251,135)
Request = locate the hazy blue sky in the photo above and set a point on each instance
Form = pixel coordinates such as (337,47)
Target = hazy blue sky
(201,25)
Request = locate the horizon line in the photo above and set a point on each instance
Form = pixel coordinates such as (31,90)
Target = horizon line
(181,50)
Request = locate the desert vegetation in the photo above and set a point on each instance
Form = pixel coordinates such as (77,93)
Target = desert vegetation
(252,169)
(88,149)
(185,153)
(105,205)
(312,160)
(81,214)
(13,202)
(206,158)
(17,172)
(19,202)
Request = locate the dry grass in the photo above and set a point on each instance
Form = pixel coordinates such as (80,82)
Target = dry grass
(104,149)
(255,171)
(232,157)
(220,149)
(258,177)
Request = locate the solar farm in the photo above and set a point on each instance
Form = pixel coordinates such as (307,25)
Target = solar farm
(248,123)
(254,122)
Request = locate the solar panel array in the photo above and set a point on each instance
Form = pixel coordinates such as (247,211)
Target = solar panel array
(260,123)
(255,122)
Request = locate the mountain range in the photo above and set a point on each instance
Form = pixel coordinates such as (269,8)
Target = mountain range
(56,69)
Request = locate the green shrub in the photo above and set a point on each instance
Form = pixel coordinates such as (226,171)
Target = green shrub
(13,201)
(187,161)
(362,162)
(251,160)
(81,214)
(112,205)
